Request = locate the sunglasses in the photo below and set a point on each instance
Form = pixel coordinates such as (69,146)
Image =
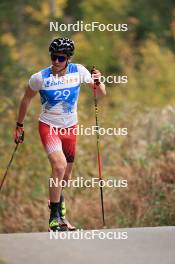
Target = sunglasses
(60,58)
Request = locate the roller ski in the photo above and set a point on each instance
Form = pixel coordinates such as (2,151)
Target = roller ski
(56,225)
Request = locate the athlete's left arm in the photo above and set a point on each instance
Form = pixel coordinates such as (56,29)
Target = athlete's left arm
(100,87)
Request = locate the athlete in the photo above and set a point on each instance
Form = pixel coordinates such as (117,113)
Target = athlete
(59,87)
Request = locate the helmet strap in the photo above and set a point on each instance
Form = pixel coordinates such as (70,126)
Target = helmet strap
(64,69)
(67,62)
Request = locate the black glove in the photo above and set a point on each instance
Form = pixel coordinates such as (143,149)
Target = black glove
(19,133)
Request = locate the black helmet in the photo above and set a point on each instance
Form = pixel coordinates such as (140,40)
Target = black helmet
(64,45)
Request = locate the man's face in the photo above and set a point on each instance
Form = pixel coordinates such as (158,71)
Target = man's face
(59,60)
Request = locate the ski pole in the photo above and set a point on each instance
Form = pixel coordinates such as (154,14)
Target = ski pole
(98,145)
(9,164)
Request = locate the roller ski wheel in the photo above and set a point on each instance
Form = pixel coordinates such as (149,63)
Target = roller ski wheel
(70,227)
(56,225)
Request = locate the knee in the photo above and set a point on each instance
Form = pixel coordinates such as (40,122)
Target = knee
(59,168)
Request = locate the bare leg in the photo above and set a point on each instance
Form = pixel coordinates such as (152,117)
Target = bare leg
(67,176)
(68,171)
(58,163)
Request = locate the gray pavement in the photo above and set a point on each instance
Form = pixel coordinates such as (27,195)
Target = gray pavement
(155,245)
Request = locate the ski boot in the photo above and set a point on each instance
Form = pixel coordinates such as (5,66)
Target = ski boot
(62,221)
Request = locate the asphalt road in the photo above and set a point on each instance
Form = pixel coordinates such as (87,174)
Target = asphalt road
(129,246)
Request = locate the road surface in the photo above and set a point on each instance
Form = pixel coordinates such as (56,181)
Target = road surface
(130,246)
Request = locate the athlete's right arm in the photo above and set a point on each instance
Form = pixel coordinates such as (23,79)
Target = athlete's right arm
(24,105)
